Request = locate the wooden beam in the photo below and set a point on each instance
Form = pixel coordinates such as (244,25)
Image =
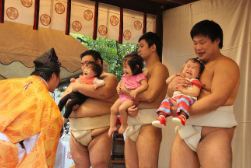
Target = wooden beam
(182,2)
(144,6)
(172,2)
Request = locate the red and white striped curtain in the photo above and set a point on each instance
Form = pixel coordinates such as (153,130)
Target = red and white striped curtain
(85,17)
(82,17)
(52,14)
(19,11)
(108,21)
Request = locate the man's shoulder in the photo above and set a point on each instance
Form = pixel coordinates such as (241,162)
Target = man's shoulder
(159,67)
(109,78)
(158,70)
(225,61)
(13,80)
(107,75)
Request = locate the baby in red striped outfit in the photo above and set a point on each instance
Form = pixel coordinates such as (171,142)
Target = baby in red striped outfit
(184,97)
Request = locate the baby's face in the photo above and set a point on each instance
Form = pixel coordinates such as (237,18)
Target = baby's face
(191,70)
(88,72)
(127,70)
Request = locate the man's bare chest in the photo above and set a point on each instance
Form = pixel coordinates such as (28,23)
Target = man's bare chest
(206,79)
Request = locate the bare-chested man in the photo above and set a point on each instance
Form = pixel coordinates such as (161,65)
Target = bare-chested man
(143,140)
(206,139)
(89,143)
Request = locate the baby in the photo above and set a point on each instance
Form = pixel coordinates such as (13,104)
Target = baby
(133,78)
(91,73)
(184,97)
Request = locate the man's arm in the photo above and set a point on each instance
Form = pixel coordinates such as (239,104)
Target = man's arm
(140,89)
(98,83)
(225,82)
(171,78)
(176,82)
(102,93)
(69,88)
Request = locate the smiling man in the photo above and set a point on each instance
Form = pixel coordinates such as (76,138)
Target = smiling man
(206,139)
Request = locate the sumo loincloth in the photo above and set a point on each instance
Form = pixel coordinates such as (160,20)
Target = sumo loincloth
(145,116)
(81,127)
(222,117)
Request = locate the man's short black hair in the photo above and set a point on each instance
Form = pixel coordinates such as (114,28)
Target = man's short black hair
(95,55)
(45,75)
(152,38)
(208,29)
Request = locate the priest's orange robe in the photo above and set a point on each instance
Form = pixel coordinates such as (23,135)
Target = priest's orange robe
(26,109)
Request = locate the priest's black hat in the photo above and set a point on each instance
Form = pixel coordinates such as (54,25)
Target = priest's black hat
(47,62)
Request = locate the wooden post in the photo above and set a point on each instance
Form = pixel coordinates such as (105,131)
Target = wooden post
(1,11)
(121,26)
(95,21)
(36,15)
(68,17)
(144,24)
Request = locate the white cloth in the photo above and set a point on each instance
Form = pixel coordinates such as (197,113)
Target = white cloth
(191,133)
(28,144)
(81,127)
(97,80)
(145,116)
(60,156)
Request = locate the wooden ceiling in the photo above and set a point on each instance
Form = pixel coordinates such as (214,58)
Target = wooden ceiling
(147,6)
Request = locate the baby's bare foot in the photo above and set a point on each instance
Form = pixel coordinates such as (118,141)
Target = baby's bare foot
(112,130)
(122,129)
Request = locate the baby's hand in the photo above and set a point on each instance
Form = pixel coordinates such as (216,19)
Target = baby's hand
(177,87)
(118,89)
(73,80)
(95,86)
(133,93)
(180,88)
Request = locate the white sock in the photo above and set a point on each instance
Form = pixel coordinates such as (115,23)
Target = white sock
(183,116)
(161,115)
